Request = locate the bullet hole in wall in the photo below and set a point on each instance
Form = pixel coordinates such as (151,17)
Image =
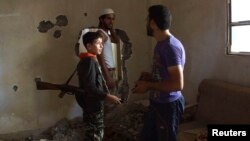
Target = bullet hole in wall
(15,87)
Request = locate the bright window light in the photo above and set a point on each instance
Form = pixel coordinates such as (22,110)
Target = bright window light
(239,27)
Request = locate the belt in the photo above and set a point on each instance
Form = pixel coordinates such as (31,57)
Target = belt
(111,69)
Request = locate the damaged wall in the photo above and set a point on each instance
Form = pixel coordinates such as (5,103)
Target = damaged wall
(26,53)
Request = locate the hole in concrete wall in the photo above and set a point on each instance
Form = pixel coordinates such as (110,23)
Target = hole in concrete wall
(44,26)
(57,34)
(61,20)
(15,87)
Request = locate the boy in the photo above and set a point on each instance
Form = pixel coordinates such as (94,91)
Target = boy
(95,89)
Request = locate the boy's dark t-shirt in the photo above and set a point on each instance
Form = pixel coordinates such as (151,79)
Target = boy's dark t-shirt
(90,79)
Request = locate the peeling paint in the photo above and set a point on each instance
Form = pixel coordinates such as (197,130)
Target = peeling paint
(61,20)
(45,26)
(57,34)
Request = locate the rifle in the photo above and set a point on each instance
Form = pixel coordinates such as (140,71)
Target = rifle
(123,88)
(126,51)
(62,93)
(69,89)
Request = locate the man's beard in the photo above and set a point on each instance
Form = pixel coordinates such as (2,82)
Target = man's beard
(109,27)
(149,31)
(106,26)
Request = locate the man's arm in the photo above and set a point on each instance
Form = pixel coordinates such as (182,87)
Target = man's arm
(109,80)
(114,37)
(174,83)
(127,45)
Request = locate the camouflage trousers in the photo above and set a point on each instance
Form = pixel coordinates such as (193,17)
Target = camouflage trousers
(94,126)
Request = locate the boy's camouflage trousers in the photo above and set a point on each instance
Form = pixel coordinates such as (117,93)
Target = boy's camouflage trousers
(94,126)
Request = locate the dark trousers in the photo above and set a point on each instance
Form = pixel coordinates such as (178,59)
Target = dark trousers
(162,120)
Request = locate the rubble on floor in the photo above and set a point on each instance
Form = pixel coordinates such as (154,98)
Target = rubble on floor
(122,124)
(125,123)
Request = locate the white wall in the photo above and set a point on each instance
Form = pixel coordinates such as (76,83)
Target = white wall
(202,27)
(26,53)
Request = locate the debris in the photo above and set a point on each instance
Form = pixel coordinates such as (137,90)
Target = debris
(124,123)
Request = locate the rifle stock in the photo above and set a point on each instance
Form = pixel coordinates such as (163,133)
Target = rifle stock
(47,86)
(40,85)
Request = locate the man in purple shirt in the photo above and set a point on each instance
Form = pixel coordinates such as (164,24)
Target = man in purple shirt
(166,80)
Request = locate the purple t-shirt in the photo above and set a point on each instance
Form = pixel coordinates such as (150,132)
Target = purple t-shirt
(167,53)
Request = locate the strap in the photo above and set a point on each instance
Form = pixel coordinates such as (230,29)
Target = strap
(61,94)
(67,82)
(104,81)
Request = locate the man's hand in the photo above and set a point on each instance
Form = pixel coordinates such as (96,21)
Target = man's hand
(114,37)
(113,99)
(141,87)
